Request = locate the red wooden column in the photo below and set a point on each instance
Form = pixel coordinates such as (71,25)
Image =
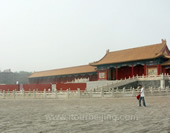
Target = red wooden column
(107,74)
(117,74)
(97,75)
(159,69)
(132,70)
(163,70)
(145,70)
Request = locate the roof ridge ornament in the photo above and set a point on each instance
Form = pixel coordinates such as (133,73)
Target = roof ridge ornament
(107,51)
(163,41)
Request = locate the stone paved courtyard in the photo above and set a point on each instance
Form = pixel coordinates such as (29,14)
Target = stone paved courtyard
(102,115)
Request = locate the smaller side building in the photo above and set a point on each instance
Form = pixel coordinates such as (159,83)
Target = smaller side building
(72,74)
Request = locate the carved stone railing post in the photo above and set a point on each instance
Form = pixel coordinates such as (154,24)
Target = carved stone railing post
(102,93)
(67,93)
(3,93)
(23,93)
(78,92)
(34,94)
(45,95)
(124,90)
(112,92)
(133,92)
(56,95)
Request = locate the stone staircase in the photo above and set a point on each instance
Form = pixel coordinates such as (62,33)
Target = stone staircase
(116,84)
(109,85)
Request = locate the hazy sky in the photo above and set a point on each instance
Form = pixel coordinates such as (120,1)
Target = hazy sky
(38,35)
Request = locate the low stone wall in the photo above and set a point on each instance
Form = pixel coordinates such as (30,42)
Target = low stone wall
(95,84)
(82,94)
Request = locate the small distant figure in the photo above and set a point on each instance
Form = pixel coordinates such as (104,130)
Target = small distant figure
(142,96)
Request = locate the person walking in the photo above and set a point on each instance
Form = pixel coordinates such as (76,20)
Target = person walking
(142,96)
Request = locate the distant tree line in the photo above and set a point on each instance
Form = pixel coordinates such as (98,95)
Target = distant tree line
(13,77)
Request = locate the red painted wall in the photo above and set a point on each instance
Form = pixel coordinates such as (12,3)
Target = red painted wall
(138,70)
(41,87)
(168,71)
(145,70)
(117,73)
(124,72)
(72,86)
(9,87)
(165,71)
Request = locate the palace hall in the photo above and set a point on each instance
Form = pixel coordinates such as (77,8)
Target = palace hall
(150,60)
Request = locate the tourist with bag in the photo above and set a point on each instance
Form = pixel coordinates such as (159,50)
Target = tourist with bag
(142,96)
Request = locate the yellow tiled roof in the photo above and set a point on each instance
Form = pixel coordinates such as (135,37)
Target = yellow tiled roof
(134,54)
(65,71)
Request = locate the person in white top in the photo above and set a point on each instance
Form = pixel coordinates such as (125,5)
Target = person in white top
(142,96)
